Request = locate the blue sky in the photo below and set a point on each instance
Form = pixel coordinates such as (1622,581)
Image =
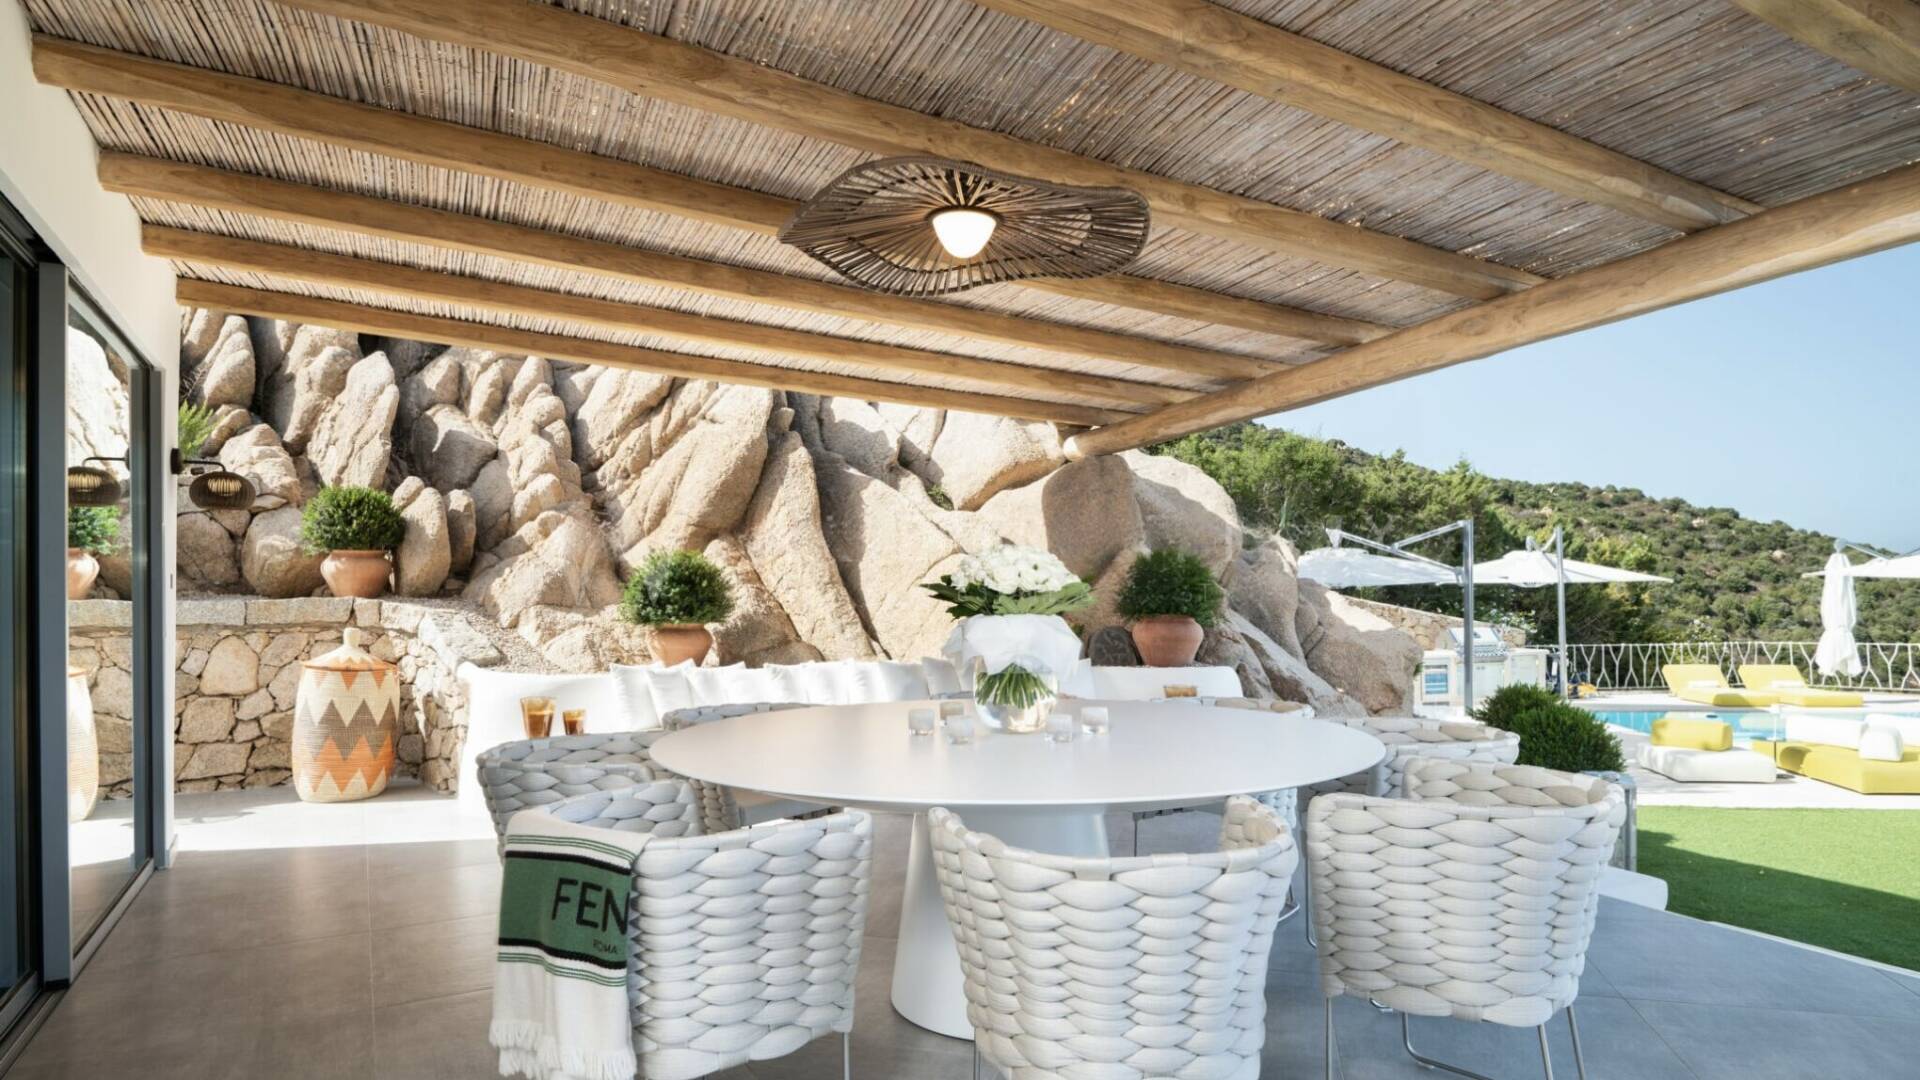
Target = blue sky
(1797,400)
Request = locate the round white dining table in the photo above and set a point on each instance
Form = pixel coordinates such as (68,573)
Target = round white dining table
(1024,789)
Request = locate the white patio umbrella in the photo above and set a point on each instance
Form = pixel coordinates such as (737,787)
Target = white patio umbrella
(1353,568)
(1902,566)
(1836,654)
(1531,568)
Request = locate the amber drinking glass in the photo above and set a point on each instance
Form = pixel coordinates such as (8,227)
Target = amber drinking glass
(537,712)
(574,720)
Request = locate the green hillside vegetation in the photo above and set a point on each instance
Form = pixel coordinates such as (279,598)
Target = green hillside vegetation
(1733,578)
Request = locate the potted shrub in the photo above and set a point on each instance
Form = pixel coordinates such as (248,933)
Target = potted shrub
(1170,598)
(676,593)
(1556,735)
(355,527)
(91,531)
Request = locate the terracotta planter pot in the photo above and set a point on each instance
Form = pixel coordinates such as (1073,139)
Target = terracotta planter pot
(359,574)
(1167,640)
(82,568)
(673,644)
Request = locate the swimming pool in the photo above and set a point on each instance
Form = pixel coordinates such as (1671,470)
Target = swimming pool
(1748,724)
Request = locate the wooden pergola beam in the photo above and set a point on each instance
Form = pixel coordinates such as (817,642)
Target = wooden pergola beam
(1866,217)
(303,114)
(1212,42)
(413,283)
(1880,38)
(198,185)
(686,74)
(474,335)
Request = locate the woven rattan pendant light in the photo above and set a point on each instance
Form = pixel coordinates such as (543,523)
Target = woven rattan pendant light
(875,225)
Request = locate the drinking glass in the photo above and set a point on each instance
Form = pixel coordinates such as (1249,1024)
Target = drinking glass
(920,721)
(951,709)
(537,714)
(574,720)
(1060,728)
(959,728)
(1093,719)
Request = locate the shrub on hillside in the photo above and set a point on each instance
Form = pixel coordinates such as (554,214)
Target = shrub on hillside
(677,588)
(351,519)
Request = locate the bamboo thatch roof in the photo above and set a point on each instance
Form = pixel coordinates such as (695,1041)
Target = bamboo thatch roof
(1697,88)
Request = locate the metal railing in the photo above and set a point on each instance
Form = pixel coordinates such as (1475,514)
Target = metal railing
(1636,666)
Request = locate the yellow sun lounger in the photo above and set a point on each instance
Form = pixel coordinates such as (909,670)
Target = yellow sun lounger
(1786,682)
(1705,684)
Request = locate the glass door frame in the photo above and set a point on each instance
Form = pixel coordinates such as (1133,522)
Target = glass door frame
(41,673)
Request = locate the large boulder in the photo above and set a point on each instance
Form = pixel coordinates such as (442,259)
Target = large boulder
(1264,585)
(885,549)
(617,403)
(784,539)
(448,448)
(709,445)
(425,555)
(758,632)
(281,351)
(272,560)
(976,457)
(1184,508)
(855,431)
(557,560)
(225,376)
(228,421)
(256,454)
(1288,676)
(436,383)
(462,529)
(317,384)
(1358,652)
(354,437)
(199,330)
(1083,512)
(207,557)
(98,404)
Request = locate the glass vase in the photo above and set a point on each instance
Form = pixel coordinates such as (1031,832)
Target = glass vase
(1018,698)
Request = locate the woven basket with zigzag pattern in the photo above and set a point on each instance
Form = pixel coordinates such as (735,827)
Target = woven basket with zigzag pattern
(345,725)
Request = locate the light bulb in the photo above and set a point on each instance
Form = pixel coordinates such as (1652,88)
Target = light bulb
(963,232)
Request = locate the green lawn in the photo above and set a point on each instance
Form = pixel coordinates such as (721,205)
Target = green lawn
(1847,880)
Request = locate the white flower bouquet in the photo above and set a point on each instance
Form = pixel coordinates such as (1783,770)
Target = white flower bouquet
(1011,580)
(1009,600)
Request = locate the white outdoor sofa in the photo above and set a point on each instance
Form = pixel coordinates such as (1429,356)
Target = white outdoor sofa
(630,698)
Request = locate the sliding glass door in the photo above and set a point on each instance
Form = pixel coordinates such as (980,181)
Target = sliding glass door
(17,943)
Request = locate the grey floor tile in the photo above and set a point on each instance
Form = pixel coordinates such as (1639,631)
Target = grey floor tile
(438,1039)
(1720,1043)
(1618,1045)
(434,894)
(430,960)
(388,859)
(1668,958)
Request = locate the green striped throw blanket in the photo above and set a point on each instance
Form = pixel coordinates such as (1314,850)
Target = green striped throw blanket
(560,983)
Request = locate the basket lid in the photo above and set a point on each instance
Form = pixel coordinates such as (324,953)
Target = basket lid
(348,657)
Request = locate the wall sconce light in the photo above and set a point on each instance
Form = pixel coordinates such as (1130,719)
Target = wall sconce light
(214,487)
(88,485)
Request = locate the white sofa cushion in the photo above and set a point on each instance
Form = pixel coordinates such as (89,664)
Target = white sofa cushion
(652,691)
(1692,766)
(942,677)
(1147,683)
(1907,725)
(1881,743)
(735,684)
(1830,730)
(867,681)
(493,711)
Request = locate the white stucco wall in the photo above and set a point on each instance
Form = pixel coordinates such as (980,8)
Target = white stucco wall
(47,173)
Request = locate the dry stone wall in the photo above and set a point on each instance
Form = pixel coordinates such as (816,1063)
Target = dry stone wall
(240,664)
(532,487)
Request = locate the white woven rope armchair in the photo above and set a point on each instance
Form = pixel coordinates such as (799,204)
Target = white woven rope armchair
(744,946)
(721,807)
(1411,738)
(1117,968)
(519,775)
(1473,897)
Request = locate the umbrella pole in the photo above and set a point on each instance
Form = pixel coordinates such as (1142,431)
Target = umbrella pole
(1560,563)
(1466,619)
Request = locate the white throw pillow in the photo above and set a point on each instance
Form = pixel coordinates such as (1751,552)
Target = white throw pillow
(1907,725)
(1828,730)
(1881,743)
(942,677)
(816,683)
(869,681)
(1079,682)
(735,684)
(651,692)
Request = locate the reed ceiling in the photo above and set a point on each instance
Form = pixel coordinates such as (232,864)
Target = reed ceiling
(1697,88)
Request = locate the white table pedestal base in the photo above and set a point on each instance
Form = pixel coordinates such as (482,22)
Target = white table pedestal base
(926,965)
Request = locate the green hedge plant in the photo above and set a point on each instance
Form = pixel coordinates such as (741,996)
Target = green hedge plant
(1553,734)
(677,588)
(93,529)
(351,519)
(1170,582)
